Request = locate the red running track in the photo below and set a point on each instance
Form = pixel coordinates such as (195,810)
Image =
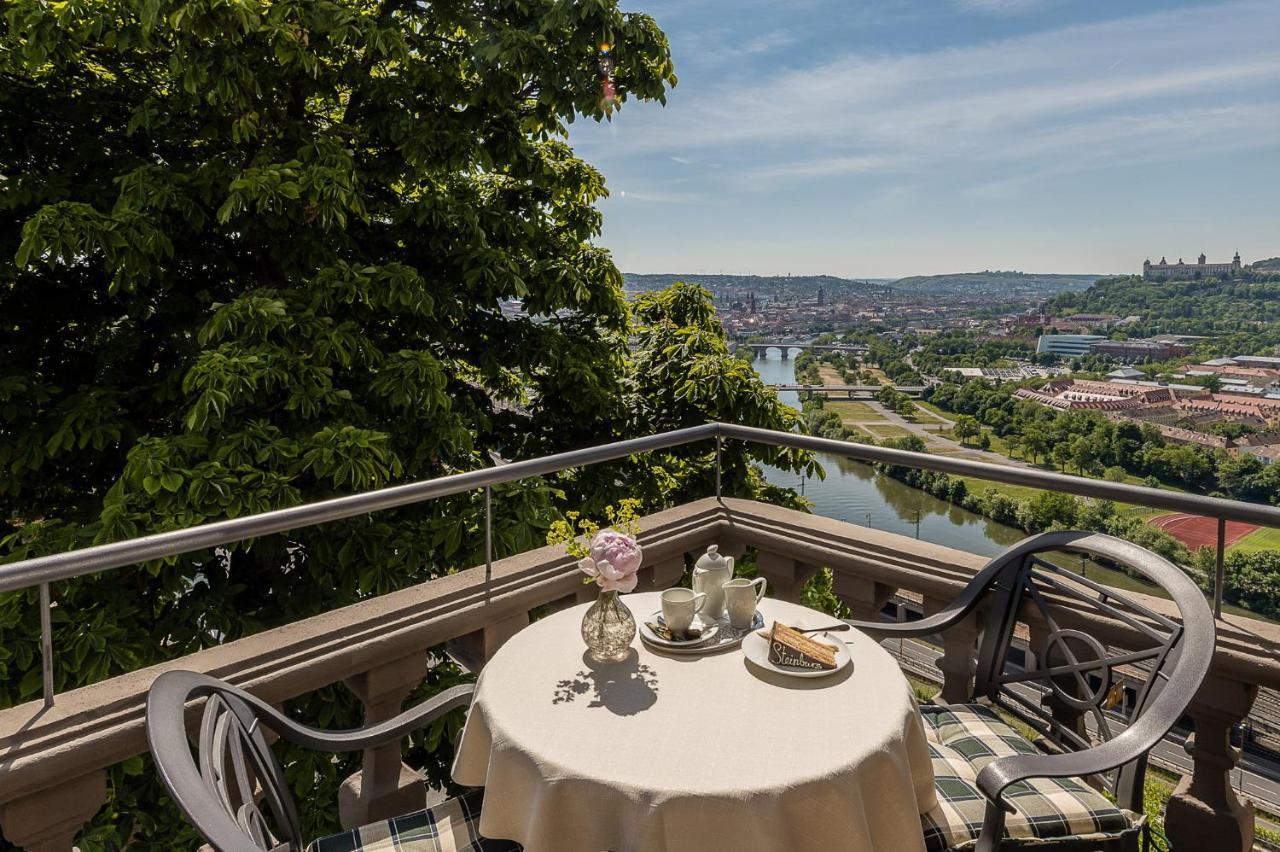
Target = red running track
(1196,531)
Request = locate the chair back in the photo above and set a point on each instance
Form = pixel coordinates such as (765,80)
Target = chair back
(1074,691)
(233,791)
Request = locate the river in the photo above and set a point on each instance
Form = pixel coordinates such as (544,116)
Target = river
(855,492)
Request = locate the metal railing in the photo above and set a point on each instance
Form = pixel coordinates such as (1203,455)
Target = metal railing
(41,571)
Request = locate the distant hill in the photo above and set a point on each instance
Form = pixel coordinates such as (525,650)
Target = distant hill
(761,284)
(1271,264)
(1002,284)
(1210,306)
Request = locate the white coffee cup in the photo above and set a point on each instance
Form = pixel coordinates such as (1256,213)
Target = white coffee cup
(679,606)
(741,597)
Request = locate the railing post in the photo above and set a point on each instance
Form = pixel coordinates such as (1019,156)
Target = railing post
(660,576)
(50,820)
(488,541)
(384,786)
(959,647)
(786,576)
(865,598)
(718,467)
(46,643)
(475,649)
(1220,571)
(1204,812)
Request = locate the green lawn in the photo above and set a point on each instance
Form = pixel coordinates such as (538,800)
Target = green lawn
(930,409)
(888,430)
(850,410)
(1017,492)
(1267,538)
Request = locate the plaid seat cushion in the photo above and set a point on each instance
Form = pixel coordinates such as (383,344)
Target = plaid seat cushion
(451,826)
(964,739)
(975,731)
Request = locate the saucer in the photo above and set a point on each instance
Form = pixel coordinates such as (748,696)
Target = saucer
(724,638)
(709,630)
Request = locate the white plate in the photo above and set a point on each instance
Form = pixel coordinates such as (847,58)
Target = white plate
(709,630)
(756,649)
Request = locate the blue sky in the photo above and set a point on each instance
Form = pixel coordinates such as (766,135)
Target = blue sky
(901,137)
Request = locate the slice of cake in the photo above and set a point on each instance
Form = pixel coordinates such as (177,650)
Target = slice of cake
(790,647)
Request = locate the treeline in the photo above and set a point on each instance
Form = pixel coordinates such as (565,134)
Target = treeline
(964,349)
(1247,307)
(807,370)
(1089,444)
(1253,579)
(1047,510)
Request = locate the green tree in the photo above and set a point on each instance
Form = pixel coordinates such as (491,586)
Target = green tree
(966,427)
(1061,454)
(1253,581)
(1049,509)
(1036,442)
(261,253)
(1083,455)
(1115,473)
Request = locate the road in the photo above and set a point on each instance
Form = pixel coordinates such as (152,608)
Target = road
(1255,777)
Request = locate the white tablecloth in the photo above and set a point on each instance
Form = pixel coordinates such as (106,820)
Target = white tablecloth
(666,753)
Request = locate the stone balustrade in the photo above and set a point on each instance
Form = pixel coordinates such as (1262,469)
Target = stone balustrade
(53,762)
(1204,812)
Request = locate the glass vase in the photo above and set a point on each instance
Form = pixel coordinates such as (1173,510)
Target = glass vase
(608,629)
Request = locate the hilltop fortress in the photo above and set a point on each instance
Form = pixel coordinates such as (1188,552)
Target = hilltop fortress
(1199,269)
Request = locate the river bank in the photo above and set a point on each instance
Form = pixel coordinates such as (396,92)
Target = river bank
(856,492)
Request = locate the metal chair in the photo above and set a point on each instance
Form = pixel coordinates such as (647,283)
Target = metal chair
(998,791)
(224,793)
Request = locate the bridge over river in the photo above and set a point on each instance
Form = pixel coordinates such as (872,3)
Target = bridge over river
(760,348)
(851,390)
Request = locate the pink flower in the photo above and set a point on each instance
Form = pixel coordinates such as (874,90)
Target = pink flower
(615,558)
(619,550)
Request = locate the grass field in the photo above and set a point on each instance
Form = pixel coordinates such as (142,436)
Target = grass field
(1266,538)
(1017,492)
(929,409)
(888,430)
(850,411)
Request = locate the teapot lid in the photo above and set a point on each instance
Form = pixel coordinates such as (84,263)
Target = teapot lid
(710,559)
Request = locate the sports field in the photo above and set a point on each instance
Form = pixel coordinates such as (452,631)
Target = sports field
(1196,531)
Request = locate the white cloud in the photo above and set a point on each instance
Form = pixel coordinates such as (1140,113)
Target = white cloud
(1030,104)
(823,166)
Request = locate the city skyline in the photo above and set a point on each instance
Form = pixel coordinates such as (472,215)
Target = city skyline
(881,140)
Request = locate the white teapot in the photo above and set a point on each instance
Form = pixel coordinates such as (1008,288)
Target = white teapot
(710,573)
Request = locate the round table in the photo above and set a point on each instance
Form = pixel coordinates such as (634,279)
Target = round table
(669,753)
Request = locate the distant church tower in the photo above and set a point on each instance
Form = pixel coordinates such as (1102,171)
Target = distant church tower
(751,303)
(822,295)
